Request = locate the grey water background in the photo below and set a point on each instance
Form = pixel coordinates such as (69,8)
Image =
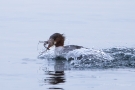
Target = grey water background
(98,24)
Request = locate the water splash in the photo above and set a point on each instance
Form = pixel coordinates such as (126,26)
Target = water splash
(91,58)
(47,54)
(83,53)
(123,56)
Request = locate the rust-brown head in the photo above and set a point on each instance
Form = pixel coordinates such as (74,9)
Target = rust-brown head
(56,39)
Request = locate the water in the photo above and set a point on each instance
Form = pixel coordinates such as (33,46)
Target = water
(91,58)
(105,27)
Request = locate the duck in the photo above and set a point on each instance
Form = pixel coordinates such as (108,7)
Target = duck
(57,40)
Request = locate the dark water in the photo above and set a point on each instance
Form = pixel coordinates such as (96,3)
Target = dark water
(122,57)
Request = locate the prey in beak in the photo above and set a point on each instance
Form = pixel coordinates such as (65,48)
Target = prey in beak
(50,43)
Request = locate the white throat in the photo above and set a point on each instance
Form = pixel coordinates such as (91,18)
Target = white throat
(59,50)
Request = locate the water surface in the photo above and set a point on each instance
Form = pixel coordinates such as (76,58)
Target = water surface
(100,25)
